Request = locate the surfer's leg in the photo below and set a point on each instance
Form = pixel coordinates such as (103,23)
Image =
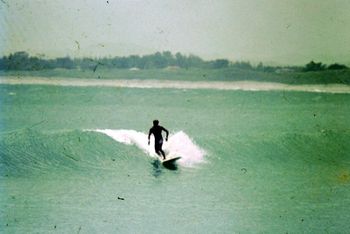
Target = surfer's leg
(158,149)
(161,150)
(162,153)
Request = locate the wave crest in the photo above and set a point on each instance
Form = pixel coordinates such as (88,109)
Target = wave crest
(178,144)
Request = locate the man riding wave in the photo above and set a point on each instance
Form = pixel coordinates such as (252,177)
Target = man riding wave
(156,130)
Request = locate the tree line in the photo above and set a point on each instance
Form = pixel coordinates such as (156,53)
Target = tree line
(23,61)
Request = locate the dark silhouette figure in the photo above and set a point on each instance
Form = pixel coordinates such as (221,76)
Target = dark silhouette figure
(156,130)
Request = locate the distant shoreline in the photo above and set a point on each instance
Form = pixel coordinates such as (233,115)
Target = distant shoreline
(172,84)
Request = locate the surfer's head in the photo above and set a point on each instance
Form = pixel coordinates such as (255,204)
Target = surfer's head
(155,122)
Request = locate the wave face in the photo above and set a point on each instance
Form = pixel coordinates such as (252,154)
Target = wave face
(178,144)
(29,152)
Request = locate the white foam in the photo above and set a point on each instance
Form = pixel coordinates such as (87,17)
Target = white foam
(178,144)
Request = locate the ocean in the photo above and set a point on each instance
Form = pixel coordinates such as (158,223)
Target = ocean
(76,160)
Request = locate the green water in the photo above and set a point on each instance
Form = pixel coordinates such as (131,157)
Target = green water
(275,162)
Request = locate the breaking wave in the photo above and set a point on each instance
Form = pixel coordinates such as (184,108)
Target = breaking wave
(178,144)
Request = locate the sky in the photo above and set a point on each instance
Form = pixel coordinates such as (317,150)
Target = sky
(289,32)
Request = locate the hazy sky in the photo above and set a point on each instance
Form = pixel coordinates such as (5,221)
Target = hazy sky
(281,31)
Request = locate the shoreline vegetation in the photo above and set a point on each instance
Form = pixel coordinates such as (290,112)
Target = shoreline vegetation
(166,66)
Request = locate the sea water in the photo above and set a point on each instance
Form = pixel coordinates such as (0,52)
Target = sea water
(76,160)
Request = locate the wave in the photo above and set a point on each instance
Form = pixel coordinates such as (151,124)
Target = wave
(178,144)
(217,85)
(29,152)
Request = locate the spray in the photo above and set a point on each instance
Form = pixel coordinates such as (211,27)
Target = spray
(178,144)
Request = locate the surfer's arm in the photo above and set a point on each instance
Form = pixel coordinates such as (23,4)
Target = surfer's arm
(167,134)
(149,135)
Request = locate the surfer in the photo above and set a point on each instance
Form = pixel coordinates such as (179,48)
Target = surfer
(156,130)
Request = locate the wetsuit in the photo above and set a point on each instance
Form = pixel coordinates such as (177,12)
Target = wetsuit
(158,138)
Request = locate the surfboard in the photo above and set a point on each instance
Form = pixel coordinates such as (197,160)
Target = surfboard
(170,163)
